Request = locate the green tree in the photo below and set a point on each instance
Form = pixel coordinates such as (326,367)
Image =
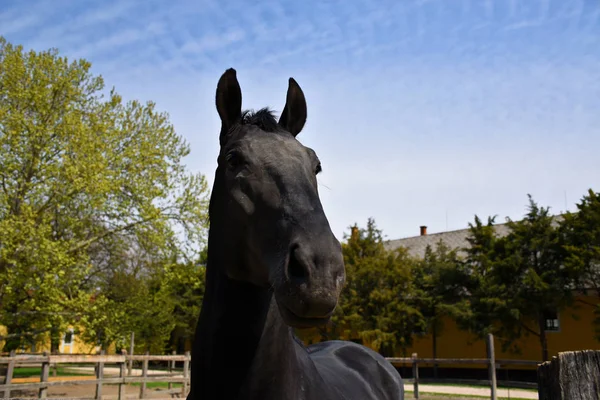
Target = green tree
(78,169)
(377,304)
(580,236)
(439,291)
(475,274)
(515,281)
(186,284)
(154,299)
(111,310)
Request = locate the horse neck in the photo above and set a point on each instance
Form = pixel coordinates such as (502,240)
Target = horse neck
(240,339)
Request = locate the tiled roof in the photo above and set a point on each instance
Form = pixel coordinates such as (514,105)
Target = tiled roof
(416,245)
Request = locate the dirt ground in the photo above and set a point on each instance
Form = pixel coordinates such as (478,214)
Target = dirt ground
(109,392)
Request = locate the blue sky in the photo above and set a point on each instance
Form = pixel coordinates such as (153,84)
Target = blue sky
(423,112)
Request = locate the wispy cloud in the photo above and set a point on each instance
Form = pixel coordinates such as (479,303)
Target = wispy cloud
(10,23)
(212,42)
(415,106)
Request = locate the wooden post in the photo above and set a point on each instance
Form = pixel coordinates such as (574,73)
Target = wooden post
(9,373)
(144,375)
(131,343)
(186,374)
(99,377)
(122,373)
(43,393)
(573,375)
(171,368)
(415,370)
(492,366)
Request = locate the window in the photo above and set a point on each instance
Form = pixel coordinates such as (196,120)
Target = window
(420,330)
(68,337)
(552,323)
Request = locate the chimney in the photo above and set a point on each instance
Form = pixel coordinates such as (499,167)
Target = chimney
(354,234)
(423,230)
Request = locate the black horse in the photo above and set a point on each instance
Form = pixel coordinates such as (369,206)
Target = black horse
(273,264)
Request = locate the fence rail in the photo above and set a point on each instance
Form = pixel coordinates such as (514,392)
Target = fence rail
(472,361)
(99,362)
(124,362)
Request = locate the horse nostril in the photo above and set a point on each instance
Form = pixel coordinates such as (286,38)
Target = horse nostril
(296,269)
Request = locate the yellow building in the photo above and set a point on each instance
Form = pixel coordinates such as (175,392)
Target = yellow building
(70,343)
(570,329)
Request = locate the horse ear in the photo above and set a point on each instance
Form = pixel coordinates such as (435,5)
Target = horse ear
(293,116)
(228,101)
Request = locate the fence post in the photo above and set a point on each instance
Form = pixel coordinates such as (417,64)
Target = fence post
(122,373)
(186,374)
(131,344)
(99,377)
(171,368)
(43,393)
(9,373)
(415,370)
(572,375)
(492,366)
(144,375)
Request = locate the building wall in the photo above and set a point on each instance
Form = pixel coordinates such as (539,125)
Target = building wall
(66,346)
(576,332)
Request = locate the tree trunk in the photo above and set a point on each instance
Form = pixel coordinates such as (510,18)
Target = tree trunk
(543,338)
(386,350)
(434,341)
(54,341)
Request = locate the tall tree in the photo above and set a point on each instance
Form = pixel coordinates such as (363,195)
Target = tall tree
(476,273)
(377,304)
(580,237)
(439,291)
(79,168)
(186,287)
(516,282)
(534,273)
(580,233)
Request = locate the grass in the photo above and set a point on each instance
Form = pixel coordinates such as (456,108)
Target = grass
(26,372)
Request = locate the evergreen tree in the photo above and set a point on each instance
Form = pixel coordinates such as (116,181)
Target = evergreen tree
(439,289)
(580,237)
(377,304)
(516,282)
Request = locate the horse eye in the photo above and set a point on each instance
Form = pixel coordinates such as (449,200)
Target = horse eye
(233,160)
(318,169)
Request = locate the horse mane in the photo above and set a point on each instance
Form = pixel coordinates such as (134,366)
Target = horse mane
(263,119)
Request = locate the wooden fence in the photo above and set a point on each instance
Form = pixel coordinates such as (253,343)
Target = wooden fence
(492,363)
(575,371)
(572,375)
(491,382)
(123,361)
(99,362)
